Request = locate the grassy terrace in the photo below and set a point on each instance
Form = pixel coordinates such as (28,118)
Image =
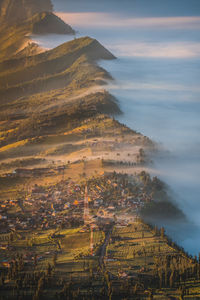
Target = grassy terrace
(134,248)
(130,263)
(73,261)
(138,252)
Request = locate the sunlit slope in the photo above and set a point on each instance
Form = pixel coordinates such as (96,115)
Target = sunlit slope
(14,37)
(53,91)
(50,70)
(55,111)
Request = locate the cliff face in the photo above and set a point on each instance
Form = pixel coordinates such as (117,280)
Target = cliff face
(12,11)
(47,22)
(20,18)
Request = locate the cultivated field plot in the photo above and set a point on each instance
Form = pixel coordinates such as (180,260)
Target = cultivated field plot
(133,250)
(71,245)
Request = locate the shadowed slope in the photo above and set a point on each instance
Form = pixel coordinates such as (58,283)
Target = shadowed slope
(53,69)
(42,92)
(14,37)
(17,10)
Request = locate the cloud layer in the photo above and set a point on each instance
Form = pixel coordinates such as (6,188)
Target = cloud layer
(158,50)
(113,20)
(130,28)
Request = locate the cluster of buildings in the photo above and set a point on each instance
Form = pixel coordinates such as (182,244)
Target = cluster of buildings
(62,205)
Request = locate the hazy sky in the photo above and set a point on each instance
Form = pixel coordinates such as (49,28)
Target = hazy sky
(133,7)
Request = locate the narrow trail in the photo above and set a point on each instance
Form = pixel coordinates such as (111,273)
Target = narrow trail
(103,248)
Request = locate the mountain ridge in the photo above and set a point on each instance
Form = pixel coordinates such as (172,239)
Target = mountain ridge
(48,22)
(19,10)
(15,32)
(47,65)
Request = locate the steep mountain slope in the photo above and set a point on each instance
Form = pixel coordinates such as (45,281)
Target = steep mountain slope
(52,103)
(19,72)
(14,34)
(18,10)
(47,22)
(54,87)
